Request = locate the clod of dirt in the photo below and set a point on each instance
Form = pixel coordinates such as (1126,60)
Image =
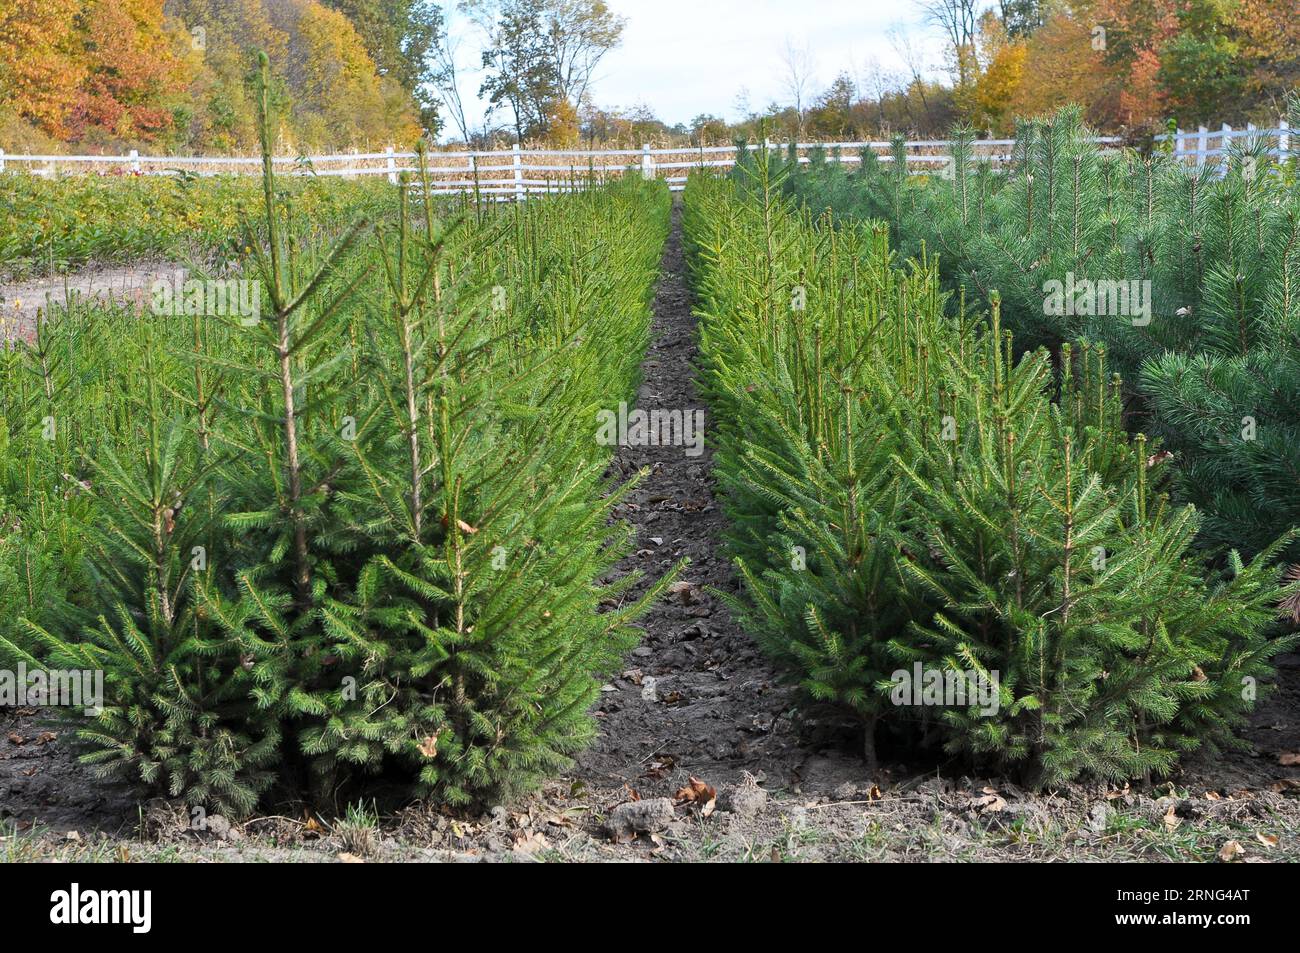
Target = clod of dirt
(1099,817)
(164,819)
(219,827)
(640,817)
(745,799)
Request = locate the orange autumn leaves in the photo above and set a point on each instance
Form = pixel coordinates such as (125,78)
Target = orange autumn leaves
(106,73)
(1135,63)
(74,64)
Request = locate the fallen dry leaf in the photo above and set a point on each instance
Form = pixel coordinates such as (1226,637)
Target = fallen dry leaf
(429,746)
(16,738)
(1172,820)
(685,591)
(1231,851)
(347,858)
(1268,840)
(660,767)
(989,802)
(698,793)
(530,843)
(1289,760)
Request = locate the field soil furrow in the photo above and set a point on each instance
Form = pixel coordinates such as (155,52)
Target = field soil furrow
(21,302)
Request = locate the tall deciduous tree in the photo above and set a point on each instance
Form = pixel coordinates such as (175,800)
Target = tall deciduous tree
(39,72)
(131,67)
(539,51)
(401,37)
(521,76)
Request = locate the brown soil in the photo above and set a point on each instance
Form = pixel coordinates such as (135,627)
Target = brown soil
(22,302)
(699,701)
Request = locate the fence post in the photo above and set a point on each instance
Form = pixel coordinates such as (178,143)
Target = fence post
(135,161)
(519,173)
(647,162)
(1202,144)
(2,160)
(1226,133)
(1283,143)
(1179,145)
(392,165)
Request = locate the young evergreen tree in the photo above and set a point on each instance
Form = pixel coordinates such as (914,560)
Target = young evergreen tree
(366,532)
(177,714)
(1205,259)
(956,510)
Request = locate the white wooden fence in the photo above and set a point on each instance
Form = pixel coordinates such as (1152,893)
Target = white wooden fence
(517,173)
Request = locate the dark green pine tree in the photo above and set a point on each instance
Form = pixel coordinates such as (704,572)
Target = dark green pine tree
(474,623)
(1224,387)
(1065,573)
(177,714)
(1015,532)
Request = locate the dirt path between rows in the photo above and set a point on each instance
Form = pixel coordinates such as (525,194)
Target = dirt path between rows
(22,302)
(698,701)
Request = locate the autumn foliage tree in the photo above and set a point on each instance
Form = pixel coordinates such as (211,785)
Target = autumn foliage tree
(131,70)
(106,74)
(39,69)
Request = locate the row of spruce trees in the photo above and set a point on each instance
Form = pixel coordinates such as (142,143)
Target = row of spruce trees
(1212,365)
(368,534)
(902,489)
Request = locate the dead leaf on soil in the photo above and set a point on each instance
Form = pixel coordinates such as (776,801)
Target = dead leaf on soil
(989,802)
(660,767)
(1268,840)
(1172,820)
(347,858)
(632,794)
(1289,760)
(685,591)
(700,794)
(16,738)
(530,843)
(1231,851)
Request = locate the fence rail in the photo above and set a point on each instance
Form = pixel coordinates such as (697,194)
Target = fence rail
(518,173)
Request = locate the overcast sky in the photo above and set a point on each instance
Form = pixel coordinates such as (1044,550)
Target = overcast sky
(686,57)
